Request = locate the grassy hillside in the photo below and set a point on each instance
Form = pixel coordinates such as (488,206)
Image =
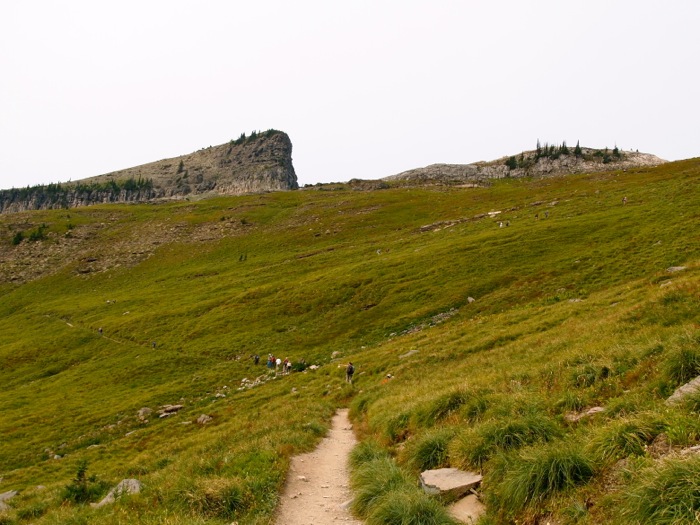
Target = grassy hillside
(492,335)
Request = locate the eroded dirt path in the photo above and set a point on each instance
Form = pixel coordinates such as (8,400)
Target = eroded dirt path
(318,486)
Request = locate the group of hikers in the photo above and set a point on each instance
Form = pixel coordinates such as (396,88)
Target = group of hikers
(285,366)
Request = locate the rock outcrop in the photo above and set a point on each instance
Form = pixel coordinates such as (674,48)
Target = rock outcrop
(526,164)
(261,162)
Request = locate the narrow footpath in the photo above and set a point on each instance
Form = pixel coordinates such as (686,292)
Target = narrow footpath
(318,483)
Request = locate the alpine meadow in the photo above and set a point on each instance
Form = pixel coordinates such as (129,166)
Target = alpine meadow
(484,324)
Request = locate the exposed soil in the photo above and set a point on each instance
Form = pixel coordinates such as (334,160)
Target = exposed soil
(317,490)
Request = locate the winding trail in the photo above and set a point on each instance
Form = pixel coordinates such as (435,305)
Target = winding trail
(318,483)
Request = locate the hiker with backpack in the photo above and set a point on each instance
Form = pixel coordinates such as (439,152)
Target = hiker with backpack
(349,371)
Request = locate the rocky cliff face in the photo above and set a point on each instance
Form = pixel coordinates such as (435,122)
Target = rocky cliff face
(527,164)
(261,162)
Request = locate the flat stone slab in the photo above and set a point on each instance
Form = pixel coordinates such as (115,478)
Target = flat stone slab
(681,392)
(467,510)
(450,483)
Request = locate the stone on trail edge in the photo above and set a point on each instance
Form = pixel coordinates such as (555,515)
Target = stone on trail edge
(449,483)
(684,391)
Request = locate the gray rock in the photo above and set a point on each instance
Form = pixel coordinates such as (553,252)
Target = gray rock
(576,416)
(6,496)
(124,487)
(684,391)
(470,300)
(204,419)
(143,413)
(408,354)
(673,269)
(449,483)
(467,510)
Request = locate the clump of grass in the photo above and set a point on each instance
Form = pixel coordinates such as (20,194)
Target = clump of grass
(530,478)
(408,506)
(668,493)
(475,447)
(217,497)
(474,408)
(372,480)
(442,407)
(366,451)
(396,427)
(625,438)
(683,364)
(571,401)
(430,450)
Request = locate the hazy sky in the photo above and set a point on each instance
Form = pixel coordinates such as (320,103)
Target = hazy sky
(364,89)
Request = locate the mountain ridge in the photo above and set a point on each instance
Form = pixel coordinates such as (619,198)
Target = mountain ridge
(256,163)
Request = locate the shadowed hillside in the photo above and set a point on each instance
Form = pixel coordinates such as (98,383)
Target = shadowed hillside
(484,324)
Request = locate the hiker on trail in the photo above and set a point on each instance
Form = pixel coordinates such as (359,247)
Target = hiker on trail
(289,367)
(153,344)
(285,364)
(256,359)
(624,200)
(278,362)
(270,361)
(349,371)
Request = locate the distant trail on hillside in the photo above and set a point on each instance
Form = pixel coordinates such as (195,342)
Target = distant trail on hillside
(317,489)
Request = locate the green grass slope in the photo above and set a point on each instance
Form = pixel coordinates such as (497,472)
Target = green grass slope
(492,336)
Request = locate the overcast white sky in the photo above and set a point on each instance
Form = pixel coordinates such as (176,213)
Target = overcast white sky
(365,89)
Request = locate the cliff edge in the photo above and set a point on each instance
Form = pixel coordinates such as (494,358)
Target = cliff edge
(258,163)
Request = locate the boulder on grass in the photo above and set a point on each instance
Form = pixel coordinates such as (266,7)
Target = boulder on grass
(449,483)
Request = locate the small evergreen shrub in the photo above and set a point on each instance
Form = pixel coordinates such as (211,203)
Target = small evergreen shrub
(83,488)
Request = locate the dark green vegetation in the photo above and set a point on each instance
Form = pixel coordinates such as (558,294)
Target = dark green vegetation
(571,311)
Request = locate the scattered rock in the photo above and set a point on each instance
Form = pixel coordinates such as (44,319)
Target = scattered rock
(450,483)
(684,391)
(169,410)
(672,269)
(408,354)
(302,478)
(467,510)
(577,416)
(204,419)
(5,496)
(124,487)
(470,300)
(335,354)
(690,450)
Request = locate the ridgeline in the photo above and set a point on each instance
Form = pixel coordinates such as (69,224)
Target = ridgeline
(256,163)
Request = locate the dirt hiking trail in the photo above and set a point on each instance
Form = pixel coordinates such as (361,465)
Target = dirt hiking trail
(318,483)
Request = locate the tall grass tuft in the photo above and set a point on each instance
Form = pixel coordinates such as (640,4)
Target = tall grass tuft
(372,480)
(625,438)
(217,497)
(442,407)
(475,447)
(683,364)
(528,479)
(666,494)
(408,506)
(366,451)
(430,450)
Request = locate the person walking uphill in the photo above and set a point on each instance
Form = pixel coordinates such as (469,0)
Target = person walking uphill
(349,371)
